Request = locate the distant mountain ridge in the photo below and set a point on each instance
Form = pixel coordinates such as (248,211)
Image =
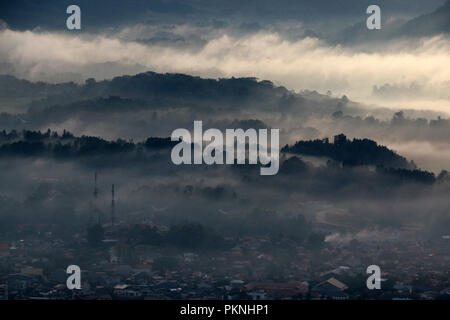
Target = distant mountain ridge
(177,90)
(431,24)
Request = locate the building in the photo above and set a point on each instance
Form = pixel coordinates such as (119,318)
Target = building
(331,288)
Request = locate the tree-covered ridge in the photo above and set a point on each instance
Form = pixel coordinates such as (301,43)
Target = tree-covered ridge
(351,152)
(147,86)
(151,90)
(413,175)
(66,146)
(29,143)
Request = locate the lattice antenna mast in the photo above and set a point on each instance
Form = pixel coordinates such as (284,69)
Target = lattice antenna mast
(95,198)
(113,205)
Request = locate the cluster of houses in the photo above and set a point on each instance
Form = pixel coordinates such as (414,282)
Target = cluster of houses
(255,268)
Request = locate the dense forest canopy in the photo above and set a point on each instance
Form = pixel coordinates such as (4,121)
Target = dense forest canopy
(351,152)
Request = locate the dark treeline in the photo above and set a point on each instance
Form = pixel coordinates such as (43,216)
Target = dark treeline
(412,175)
(400,126)
(50,143)
(351,152)
(399,119)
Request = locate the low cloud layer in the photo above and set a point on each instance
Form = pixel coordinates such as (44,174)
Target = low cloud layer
(306,63)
